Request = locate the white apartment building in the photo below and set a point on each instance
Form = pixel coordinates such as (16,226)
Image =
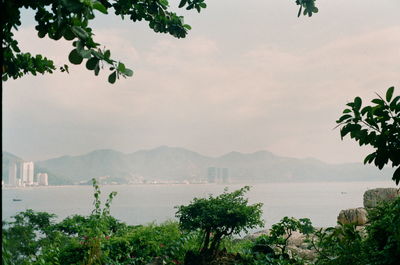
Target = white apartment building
(27,169)
(43,179)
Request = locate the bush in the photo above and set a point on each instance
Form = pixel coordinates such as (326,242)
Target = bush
(217,218)
(377,244)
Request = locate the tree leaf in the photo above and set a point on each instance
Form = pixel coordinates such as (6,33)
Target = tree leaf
(389,94)
(182,3)
(92,63)
(74,57)
(396,176)
(357,103)
(128,72)
(68,34)
(80,32)
(112,77)
(378,101)
(99,6)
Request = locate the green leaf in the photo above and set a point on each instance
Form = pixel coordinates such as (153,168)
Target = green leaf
(80,32)
(393,104)
(182,3)
(84,53)
(112,77)
(128,72)
(68,34)
(344,117)
(396,176)
(99,6)
(378,101)
(74,57)
(92,63)
(369,158)
(97,70)
(347,111)
(357,103)
(121,67)
(41,34)
(389,94)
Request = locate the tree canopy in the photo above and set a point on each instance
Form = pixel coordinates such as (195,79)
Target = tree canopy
(219,217)
(70,19)
(377,125)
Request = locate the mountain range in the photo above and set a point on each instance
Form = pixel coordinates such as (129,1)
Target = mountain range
(178,164)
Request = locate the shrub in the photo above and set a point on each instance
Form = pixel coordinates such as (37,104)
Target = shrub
(219,217)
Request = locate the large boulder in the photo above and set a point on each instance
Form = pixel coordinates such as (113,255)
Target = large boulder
(357,216)
(374,196)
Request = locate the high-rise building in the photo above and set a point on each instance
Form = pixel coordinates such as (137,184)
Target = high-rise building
(27,169)
(12,174)
(43,179)
(212,174)
(218,175)
(225,175)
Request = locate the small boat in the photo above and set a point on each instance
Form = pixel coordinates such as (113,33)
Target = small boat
(17,200)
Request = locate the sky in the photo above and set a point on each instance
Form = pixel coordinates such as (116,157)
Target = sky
(250,76)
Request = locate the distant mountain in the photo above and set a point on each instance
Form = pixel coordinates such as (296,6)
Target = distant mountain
(54,179)
(171,163)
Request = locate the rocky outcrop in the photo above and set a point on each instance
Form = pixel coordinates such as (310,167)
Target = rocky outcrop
(374,196)
(357,216)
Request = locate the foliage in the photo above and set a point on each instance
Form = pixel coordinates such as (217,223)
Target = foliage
(143,244)
(34,238)
(378,244)
(377,125)
(263,249)
(281,232)
(383,241)
(309,7)
(26,234)
(219,217)
(70,19)
(339,245)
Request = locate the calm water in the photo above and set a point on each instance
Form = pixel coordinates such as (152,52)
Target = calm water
(140,204)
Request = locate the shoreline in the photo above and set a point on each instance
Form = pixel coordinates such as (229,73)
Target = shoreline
(389,183)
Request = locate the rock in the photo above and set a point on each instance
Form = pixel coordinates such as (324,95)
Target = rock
(374,196)
(357,216)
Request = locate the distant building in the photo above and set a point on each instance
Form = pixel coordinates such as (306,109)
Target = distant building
(27,169)
(43,179)
(225,175)
(211,174)
(217,175)
(12,174)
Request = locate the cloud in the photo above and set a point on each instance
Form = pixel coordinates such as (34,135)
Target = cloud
(201,93)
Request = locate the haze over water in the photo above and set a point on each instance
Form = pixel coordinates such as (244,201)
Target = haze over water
(141,204)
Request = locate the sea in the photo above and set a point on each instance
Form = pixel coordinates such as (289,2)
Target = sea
(156,203)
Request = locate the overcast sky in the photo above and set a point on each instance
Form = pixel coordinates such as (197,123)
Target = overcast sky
(250,76)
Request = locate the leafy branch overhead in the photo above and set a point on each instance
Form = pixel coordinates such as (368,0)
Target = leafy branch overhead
(377,125)
(70,19)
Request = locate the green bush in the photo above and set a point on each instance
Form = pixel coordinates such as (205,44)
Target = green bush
(377,244)
(217,218)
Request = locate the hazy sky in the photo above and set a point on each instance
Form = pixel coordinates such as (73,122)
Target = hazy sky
(250,76)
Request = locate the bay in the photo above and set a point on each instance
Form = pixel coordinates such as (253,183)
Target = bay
(141,204)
